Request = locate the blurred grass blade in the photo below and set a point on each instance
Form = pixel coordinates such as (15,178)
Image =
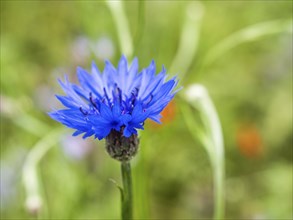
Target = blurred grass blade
(251,33)
(140,27)
(14,110)
(29,172)
(121,23)
(210,136)
(31,124)
(189,38)
(196,131)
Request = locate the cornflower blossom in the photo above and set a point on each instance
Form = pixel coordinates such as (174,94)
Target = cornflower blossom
(114,103)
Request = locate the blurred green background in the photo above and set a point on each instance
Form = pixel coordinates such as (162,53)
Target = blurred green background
(247,73)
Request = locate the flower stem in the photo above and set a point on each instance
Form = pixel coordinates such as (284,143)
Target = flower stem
(127,191)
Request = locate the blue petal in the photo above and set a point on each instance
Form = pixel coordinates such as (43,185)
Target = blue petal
(105,132)
(88,82)
(137,110)
(67,101)
(127,133)
(151,70)
(68,89)
(106,112)
(122,66)
(77,133)
(133,70)
(138,115)
(116,110)
(164,90)
(156,118)
(125,119)
(88,134)
(95,69)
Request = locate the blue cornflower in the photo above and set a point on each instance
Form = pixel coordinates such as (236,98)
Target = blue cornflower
(114,100)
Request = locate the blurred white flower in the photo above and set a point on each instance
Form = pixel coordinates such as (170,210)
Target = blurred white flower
(80,49)
(76,148)
(103,48)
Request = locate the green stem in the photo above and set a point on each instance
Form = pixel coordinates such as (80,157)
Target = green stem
(127,191)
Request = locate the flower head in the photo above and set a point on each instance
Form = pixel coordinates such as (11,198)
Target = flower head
(117,99)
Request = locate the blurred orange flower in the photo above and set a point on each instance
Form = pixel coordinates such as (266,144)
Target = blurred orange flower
(249,141)
(168,114)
